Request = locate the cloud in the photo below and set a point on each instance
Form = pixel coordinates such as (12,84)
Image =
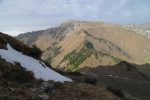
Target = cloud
(72,8)
(31,13)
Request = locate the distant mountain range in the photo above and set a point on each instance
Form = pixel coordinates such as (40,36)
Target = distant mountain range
(143,29)
(76,44)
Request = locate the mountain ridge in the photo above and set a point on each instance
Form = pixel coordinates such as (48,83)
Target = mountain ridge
(19,82)
(107,38)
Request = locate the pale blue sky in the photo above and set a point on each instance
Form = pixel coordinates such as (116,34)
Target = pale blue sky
(28,15)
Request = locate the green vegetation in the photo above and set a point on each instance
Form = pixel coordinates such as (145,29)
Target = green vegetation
(77,58)
(49,59)
(100,54)
(116,59)
(54,51)
(54,48)
(35,52)
(19,46)
(15,73)
(99,39)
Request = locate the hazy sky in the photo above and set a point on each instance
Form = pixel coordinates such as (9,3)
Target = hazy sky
(18,16)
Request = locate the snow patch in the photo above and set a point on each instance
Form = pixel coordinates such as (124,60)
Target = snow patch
(40,70)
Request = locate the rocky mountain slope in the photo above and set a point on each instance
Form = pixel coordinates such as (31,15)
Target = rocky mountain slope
(18,72)
(24,78)
(37,67)
(77,44)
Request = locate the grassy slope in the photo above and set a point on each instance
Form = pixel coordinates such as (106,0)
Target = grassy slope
(76,58)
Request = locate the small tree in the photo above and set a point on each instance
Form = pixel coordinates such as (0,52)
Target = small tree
(35,52)
(91,79)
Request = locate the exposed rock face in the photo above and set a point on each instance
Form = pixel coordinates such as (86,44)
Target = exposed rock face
(65,44)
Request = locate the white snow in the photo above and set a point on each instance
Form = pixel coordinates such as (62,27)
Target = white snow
(40,70)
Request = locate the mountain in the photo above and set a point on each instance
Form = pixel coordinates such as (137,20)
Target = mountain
(76,44)
(145,26)
(39,69)
(26,78)
(143,29)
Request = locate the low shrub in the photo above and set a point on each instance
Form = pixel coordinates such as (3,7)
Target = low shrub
(115,91)
(58,85)
(35,52)
(2,42)
(90,80)
(15,72)
(77,58)
(116,59)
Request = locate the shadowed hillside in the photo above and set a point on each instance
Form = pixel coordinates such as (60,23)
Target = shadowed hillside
(124,76)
